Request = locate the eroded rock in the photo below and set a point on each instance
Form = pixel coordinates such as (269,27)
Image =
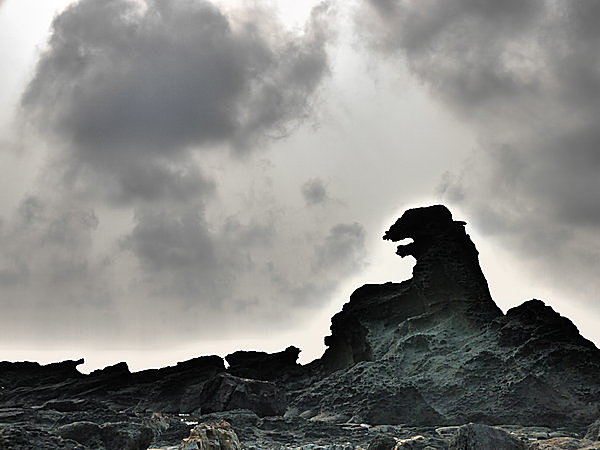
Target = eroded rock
(264,366)
(441,334)
(593,431)
(211,436)
(108,436)
(476,436)
(225,392)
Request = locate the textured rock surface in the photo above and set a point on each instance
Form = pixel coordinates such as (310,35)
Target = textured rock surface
(32,438)
(440,338)
(482,437)
(382,443)
(109,436)
(265,366)
(212,436)
(226,392)
(564,443)
(593,431)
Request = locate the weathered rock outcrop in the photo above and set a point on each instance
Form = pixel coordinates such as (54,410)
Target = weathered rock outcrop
(212,436)
(475,436)
(440,338)
(225,392)
(110,436)
(265,366)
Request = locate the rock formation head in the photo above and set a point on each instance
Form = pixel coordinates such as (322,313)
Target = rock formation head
(425,226)
(415,222)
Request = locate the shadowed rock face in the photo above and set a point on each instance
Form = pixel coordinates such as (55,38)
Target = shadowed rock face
(264,366)
(447,286)
(441,337)
(447,267)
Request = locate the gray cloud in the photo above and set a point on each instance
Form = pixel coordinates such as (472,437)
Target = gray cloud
(136,101)
(178,254)
(344,245)
(53,289)
(526,75)
(336,255)
(131,88)
(314,192)
(60,236)
(474,54)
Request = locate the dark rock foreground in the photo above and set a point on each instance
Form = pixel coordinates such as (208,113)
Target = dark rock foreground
(407,365)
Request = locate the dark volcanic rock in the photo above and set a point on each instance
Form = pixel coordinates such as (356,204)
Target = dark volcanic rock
(371,395)
(109,436)
(441,334)
(29,437)
(177,388)
(482,437)
(26,374)
(447,289)
(225,392)
(217,436)
(382,443)
(264,366)
(593,431)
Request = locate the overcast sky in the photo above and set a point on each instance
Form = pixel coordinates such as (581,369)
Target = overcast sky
(195,177)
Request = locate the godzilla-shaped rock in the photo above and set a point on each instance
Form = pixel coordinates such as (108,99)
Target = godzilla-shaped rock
(440,340)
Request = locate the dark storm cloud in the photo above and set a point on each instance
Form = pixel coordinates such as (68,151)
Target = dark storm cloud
(464,49)
(314,192)
(132,87)
(526,74)
(135,101)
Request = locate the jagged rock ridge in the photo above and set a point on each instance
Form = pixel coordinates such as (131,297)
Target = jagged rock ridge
(439,339)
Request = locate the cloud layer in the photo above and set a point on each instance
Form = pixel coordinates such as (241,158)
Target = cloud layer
(138,101)
(132,88)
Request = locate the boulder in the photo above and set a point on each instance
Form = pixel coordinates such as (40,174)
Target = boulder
(84,432)
(108,436)
(382,443)
(211,436)
(563,443)
(593,431)
(31,438)
(476,436)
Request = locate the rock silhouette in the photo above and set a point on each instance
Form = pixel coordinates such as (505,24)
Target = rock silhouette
(410,360)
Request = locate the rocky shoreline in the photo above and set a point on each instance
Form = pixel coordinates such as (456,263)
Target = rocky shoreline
(429,363)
